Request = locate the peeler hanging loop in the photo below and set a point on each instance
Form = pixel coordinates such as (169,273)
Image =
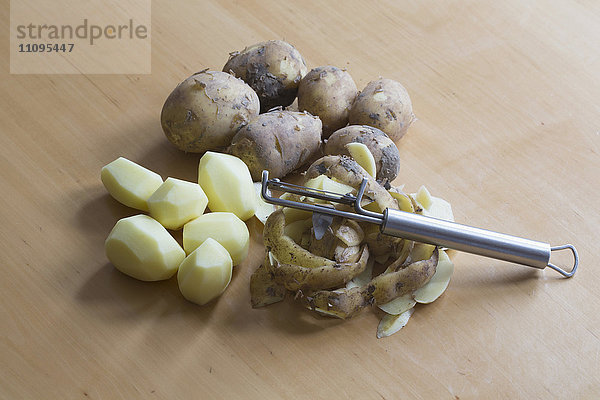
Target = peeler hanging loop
(575,257)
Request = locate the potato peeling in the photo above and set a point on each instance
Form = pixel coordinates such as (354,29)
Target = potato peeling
(331,272)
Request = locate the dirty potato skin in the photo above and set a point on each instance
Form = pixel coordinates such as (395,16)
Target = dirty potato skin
(384,150)
(277,141)
(327,92)
(273,69)
(345,303)
(205,111)
(347,171)
(384,104)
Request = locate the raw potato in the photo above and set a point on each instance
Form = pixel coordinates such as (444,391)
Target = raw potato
(363,157)
(227,229)
(391,324)
(277,141)
(438,283)
(383,149)
(227,183)
(432,206)
(273,69)
(205,273)
(205,111)
(263,209)
(327,92)
(177,202)
(384,104)
(130,183)
(142,248)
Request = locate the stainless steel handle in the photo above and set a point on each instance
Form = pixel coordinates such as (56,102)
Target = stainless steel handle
(471,240)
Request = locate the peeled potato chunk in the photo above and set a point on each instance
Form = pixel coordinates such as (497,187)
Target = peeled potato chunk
(205,273)
(363,156)
(391,324)
(263,209)
(224,227)
(142,248)
(130,183)
(227,182)
(438,283)
(176,202)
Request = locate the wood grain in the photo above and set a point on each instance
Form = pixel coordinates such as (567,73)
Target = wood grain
(506,95)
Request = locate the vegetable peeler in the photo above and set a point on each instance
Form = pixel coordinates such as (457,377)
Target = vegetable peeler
(425,229)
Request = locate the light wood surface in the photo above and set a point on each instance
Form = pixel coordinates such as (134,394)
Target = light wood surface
(507,99)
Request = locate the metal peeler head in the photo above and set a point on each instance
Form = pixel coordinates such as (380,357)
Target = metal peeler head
(360,213)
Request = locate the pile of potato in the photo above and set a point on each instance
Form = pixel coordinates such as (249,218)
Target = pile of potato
(213,243)
(335,267)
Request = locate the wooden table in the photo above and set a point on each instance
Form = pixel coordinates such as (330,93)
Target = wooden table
(507,99)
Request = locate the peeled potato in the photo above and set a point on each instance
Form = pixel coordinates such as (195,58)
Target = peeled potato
(438,283)
(391,324)
(263,209)
(176,202)
(363,156)
(130,183)
(142,248)
(226,181)
(205,273)
(227,229)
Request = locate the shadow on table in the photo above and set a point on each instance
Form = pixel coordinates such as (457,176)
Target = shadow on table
(114,295)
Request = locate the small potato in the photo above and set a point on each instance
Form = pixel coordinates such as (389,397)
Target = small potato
(273,69)
(205,273)
(176,202)
(327,92)
(130,183)
(225,228)
(204,111)
(383,149)
(384,104)
(277,141)
(142,248)
(227,183)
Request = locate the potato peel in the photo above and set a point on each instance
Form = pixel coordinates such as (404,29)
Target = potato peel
(399,305)
(380,290)
(391,324)
(438,283)
(295,277)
